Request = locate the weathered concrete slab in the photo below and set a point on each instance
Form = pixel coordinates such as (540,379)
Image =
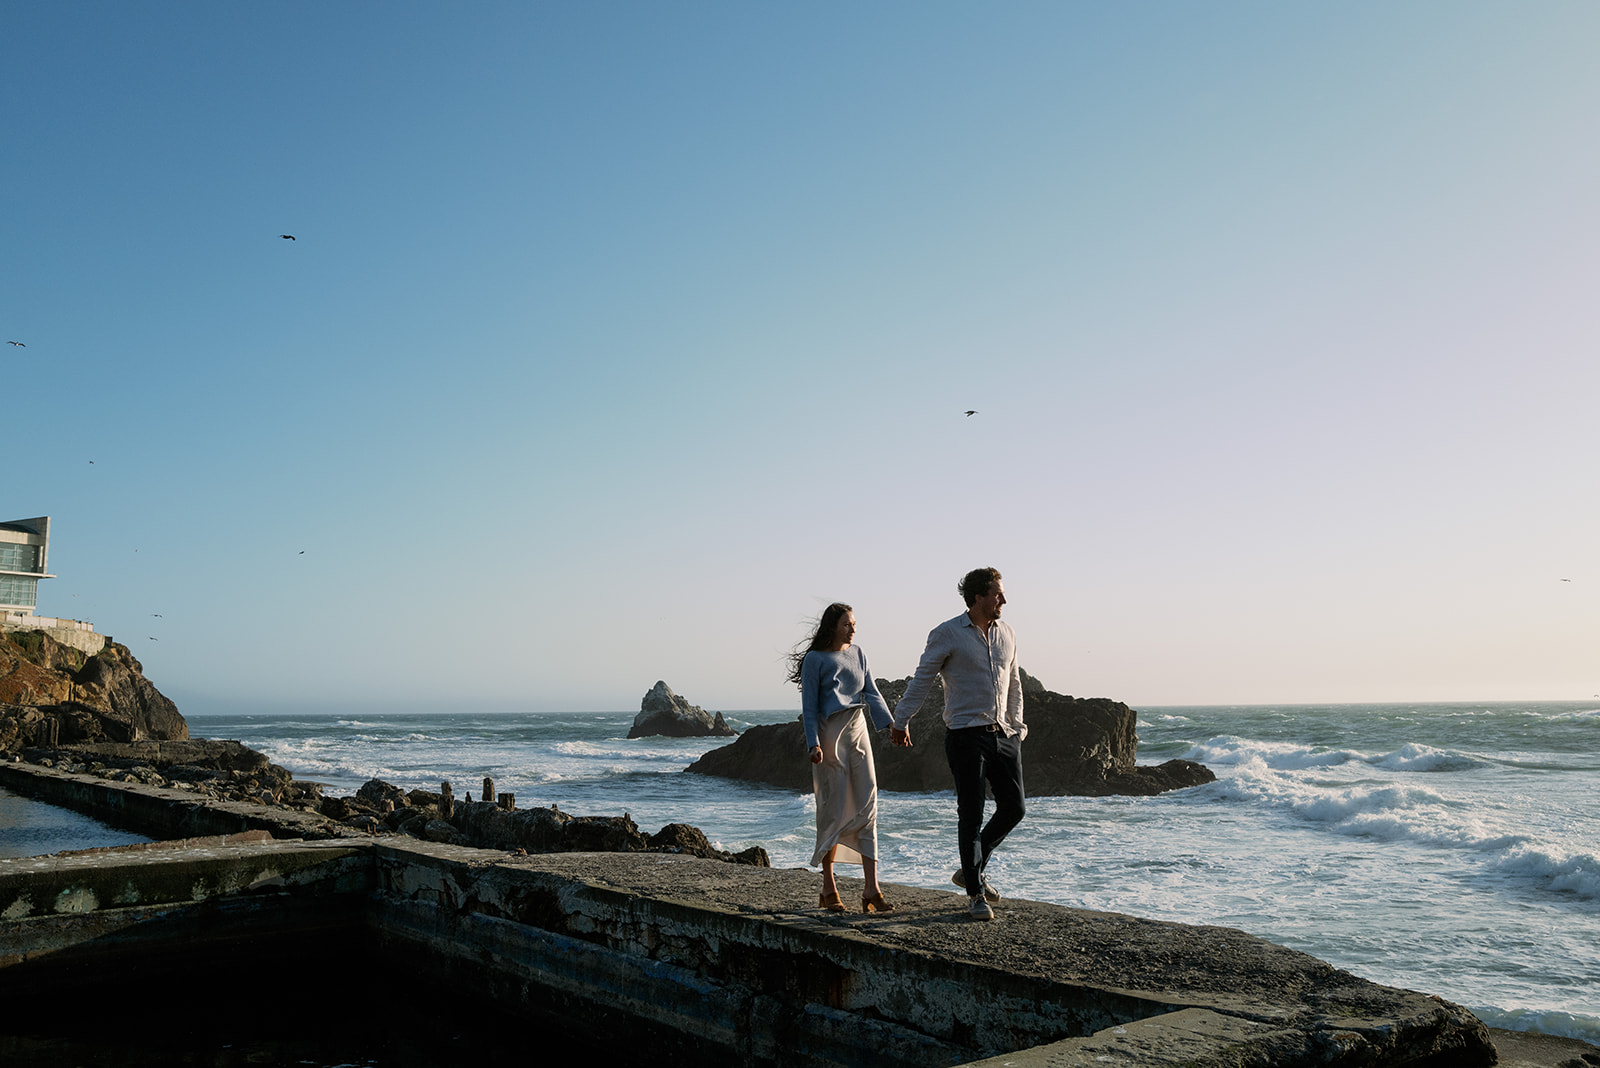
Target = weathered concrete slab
(160,811)
(733,959)
(100,900)
(1039,974)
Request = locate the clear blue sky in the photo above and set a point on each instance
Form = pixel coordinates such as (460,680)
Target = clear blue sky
(618,339)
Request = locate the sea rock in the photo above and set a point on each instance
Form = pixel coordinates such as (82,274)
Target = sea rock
(47,687)
(1075,747)
(378,793)
(189,758)
(549,830)
(664,713)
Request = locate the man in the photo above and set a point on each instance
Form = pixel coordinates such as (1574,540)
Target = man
(976,655)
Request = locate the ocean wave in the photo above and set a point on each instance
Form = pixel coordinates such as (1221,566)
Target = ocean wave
(1230,750)
(1414,757)
(1576,873)
(1543,1022)
(1397,812)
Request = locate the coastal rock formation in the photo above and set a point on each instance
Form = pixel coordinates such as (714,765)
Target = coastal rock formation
(221,774)
(211,770)
(1076,746)
(55,694)
(664,713)
(486,825)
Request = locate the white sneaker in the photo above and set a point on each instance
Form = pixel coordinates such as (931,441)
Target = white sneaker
(979,909)
(990,894)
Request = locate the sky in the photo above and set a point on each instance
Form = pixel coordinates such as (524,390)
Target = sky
(617,340)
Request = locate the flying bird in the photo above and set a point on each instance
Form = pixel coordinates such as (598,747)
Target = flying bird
(154,639)
(287,237)
(302,552)
(18,344)
(1566,580)
(971,412)
(156,614)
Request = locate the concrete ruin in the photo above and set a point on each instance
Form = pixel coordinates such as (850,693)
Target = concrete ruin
(694,959)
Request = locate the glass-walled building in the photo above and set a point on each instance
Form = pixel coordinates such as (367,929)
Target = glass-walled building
(24,554)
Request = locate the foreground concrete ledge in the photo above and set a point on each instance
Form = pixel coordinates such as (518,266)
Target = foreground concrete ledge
(738,959)
(164,811)
(1039,974)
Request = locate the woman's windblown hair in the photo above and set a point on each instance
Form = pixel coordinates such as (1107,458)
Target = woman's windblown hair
(820,638)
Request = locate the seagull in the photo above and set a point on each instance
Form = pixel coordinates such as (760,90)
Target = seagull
(18,344)
(155,639)
(156,614)
(1566,580)
(302,552)
(971,412)
(287,237)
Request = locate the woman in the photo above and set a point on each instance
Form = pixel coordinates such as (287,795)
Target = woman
(836,696)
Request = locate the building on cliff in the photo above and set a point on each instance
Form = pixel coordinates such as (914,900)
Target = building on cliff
(24,552)
(24,556)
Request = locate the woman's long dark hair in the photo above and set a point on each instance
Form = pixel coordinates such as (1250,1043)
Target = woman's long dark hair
(821,638)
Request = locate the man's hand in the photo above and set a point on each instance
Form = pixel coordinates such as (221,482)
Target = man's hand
(816,754)
(900,737)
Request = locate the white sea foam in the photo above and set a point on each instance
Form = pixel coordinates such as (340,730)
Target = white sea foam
(1229,750)
(1577,874)
(1388,812)
(1545,1022)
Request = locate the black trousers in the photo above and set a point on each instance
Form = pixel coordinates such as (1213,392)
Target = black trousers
(978,755)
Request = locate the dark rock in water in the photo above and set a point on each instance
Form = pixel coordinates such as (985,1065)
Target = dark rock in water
(771,753)
(1075,747)
(104,697)
(603,834)
(442,831)
(190,754)
(664,713)
(377,793)
(549,830)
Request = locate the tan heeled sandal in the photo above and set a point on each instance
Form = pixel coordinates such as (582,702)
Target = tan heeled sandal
(831,901)
(876,903)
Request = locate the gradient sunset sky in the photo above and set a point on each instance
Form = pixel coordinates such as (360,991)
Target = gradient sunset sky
(618,339)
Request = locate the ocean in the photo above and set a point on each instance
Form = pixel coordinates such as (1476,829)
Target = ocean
(1446,848)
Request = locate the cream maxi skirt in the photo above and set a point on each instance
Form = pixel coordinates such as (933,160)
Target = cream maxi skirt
(846,784)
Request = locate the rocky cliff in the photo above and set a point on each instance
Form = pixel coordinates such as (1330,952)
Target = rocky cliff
(47,687)
(1076,746)
(664,713)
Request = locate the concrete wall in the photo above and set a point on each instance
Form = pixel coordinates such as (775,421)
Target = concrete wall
(70,632)
(717,962)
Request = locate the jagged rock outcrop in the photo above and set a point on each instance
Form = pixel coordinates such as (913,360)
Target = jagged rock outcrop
(1076,746)
(212,770)
(486,825)
(47,686)
(229,771)
(664,713)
